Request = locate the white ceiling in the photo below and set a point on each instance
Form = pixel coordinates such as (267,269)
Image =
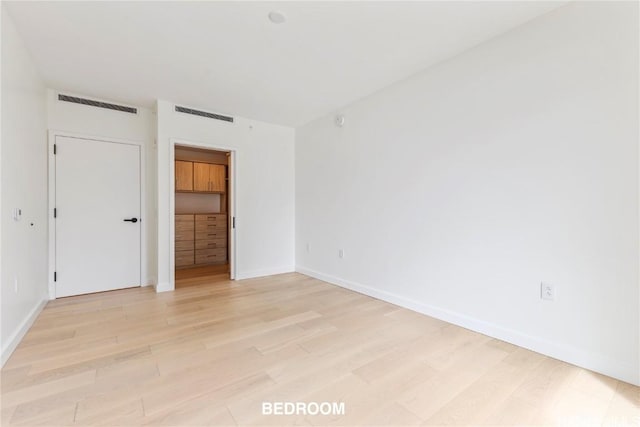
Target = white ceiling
(227,57)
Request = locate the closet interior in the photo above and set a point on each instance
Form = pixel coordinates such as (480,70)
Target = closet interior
(201,215)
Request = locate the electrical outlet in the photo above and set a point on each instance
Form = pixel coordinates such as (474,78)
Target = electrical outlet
(15,284)
(547,291)
(341,253)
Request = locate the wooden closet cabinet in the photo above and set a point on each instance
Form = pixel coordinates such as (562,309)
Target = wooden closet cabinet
(209,178)
(184,176)
(200,239)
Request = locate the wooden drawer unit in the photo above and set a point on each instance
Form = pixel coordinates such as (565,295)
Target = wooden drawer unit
(214,233)
(184,258)
(208,256)
(211,244)
(200,239)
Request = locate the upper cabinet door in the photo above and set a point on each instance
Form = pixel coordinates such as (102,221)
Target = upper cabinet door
(201,180)
(209,178)
(184,176)
(217,176)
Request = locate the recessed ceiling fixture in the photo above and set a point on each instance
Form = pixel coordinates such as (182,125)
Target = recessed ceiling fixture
(277,17)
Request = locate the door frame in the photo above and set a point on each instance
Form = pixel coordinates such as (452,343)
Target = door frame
(231,167)
(51,202)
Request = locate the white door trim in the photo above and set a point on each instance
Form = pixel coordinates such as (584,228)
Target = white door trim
(233,260)
(51,203)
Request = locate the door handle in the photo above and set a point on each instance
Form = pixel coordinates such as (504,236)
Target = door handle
(132,220)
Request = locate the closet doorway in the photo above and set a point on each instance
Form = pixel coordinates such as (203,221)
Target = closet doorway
(204,225)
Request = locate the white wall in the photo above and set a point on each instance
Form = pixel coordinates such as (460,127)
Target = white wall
(264,180)
(91,121)
(24,186)
(457,191)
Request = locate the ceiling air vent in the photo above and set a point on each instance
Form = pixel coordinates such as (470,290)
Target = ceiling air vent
(203,114)
(99,104)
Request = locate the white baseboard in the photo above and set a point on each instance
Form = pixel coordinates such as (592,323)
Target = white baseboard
(576,356)
(163,287)
(151,281)
(13,341)
(264,272)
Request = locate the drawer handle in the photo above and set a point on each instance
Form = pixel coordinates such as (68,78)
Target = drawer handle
(212,234)
(212,225)
(212,244)
(209,256)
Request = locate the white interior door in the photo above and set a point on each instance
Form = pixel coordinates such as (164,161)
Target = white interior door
(97,224)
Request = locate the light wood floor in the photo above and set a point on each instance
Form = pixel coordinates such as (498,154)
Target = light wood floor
(209,274)
(210,354)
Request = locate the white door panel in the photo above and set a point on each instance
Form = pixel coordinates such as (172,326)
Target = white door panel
(97,188)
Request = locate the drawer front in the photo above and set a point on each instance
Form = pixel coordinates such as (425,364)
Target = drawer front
(216,233)
(212,217)
(185,226)
(184,245)
(211,244)
(210,225)
(206,256)
(184,258)
(184,235)
(184,218)
(184,230)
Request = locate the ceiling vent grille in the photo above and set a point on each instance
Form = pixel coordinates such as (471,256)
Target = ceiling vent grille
(203,114)
(99,104)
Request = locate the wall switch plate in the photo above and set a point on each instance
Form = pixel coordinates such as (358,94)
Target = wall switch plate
(17,214)
(308,247)
(341,253)
(15,284)
(547,291)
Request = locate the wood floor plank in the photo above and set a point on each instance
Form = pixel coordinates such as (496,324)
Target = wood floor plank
(481,399)
(62,408)
(110,412)
(624,408)
(426,399)
(48,388)
(390,414)
(37,356)
(195,414)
